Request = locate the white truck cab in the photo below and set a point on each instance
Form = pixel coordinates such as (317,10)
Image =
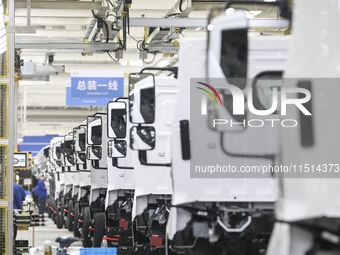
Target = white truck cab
(55,164)
(58,156)
(71,180)
(121,176)
(151,104)
(83,167)
(96,152)
(214,208)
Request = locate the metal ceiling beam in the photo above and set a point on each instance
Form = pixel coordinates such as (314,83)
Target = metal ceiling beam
(80,62)
(57,114)
(166,22)
(81,47)
(43,40)
(187,22)
(53,20)
(88,5)
(56,13)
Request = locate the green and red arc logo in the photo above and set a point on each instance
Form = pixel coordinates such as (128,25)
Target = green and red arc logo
(209,93)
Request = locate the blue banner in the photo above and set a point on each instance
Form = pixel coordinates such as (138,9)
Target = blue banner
(97,87)
(94,87)
(70,101)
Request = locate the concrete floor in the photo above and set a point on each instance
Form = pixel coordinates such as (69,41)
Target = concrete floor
(48,232)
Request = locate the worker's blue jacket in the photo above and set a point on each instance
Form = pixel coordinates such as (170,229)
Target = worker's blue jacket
(42,189)
(19,196)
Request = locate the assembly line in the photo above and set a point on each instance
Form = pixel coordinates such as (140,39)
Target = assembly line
(232,150)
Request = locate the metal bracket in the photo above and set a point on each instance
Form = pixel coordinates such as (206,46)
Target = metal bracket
(186,12)
(163,48)
(92,30)
(119,8)
(160,35)
(234,230)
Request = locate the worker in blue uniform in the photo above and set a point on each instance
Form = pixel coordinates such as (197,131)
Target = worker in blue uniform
(18,198)
(19,195)
(42,191)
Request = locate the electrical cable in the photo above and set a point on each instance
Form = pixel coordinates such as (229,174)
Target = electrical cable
(138,47)
(141,48)
(110,3)
(128,20)
(124,28)
(115,60)
(148,63)
(133,38)
(138,44)
(106,25)
(180,6)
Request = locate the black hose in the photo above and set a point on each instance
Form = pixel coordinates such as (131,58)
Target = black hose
(180,6)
